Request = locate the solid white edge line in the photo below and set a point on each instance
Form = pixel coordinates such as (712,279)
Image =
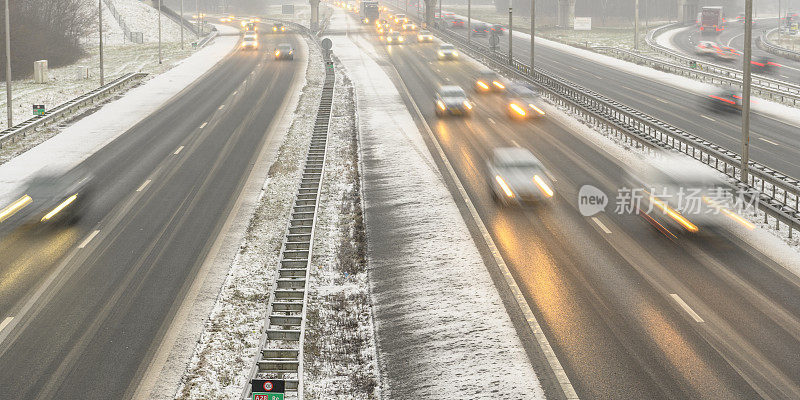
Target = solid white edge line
(769,141)
(144,185)
(686,307)
(533,324)
(601,225)
(5,322)
(708,118)
(178,151)
(84,243)
(204,125)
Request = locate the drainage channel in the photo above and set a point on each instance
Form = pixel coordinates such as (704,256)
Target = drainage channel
(282,341)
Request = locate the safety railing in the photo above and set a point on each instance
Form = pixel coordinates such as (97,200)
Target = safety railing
(69,108)
(765,44)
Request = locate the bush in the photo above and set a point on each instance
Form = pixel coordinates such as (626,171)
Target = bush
(45,30)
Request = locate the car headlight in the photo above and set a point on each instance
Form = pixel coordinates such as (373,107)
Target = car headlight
(441,105)
(537,109)
(455,54)
(543,186)
(483,85)
(389,39)
(400,39)
(517,109)
(277,53)
(274,29)
(366,20)
(467,104)
(498,85)
(441,54)
(504,186)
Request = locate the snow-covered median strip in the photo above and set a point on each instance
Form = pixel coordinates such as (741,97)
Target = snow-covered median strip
(82,139)
(428,277)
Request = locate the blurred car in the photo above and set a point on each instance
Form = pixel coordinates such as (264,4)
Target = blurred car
(725,100)
(382,26)
(523,102)
(447,52)
(723,53)
(516,176)
(284,51)
(498,29)
(425,37)
(480,30)
(682,196)
(50,198)
(763,65)
(278,27)
(226,19)
(457,23)
(409,27)
(488,81)
(255,19)
(395,38)
(400,19)
(452,100)
(250,41)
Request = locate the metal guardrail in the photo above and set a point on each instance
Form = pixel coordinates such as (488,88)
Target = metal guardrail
(778,194)
(765,44)
(207,38)
(764,84)
(120,20)
(69,108)
(281,355)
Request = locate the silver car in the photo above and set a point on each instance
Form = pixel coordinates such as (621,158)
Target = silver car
(447,52)
(516,176)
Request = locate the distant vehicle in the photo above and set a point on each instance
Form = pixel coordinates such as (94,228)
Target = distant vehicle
(255,19)
(278,27)
(369,11)
(498,29)
(284,51)
(740,18)
(50,198)
(724,53)
(400,19)
(250,41)
(409,27)
(457,23)
(447,52)
(480,30)
(452,100)
(763,65)
(516,176)
(683,198)
(488,81)
(383,26)
(226,19)
(711,21)
(425,37)
(523,102)
(250,27)
(395,38)
(725,100)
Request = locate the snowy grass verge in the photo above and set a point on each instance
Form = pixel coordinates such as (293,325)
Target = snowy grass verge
(229,345)
(339,348)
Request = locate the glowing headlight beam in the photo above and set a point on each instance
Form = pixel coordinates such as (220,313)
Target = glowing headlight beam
(730,214)
(517,109)
(441,105)
(504,186)
(537,109)
(674,214)
(483,85)
(498,85)
(60,207)
(467,104)
(543,186)
(12,209)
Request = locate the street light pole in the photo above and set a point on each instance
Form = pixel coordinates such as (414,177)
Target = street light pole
(9,108)
(510,36)
(159,32)
(469,21)
(100,13)
(533,34)
(636,26)
(197,18)
(748,44)
(181,24)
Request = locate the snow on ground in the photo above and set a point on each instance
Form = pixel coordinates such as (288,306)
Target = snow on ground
(431,341)
(665,39)
(340,360)
(141,17)
(227,349)
(78,141)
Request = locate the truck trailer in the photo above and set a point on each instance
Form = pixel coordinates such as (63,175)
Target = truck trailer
(711,20)
(369,11)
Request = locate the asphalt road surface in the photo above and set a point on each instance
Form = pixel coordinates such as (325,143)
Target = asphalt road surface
(166,186)
(630,313)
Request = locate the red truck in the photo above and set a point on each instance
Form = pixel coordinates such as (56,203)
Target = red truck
(711,20)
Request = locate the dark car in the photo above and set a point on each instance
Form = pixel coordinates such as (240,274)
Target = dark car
(458,23)
(523,102)
(278,28)
(763,65)
(498,29)
(725,100)
(517,177)
(480,30)
(452,100)
(50,198)
(284,51)
(489,81)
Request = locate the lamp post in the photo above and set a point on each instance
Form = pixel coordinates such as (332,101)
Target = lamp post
(100,13)
(469,21)
(9,109)
(181,24)
(748,44)
(159,32)
(533,33)
(510,36)
(636,26)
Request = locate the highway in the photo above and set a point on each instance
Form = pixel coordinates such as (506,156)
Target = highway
(89,304)
(773,141)
(733,36)
(630,313)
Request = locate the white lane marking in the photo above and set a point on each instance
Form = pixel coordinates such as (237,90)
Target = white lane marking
(769,141)
(144,185)
(85,242)
(514,142)
(601,225)
(204,125)
(661,100)
(179,150)
(222,106)
(5,322)
(708,118)
(686,307)
(491,120)
(733,38)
